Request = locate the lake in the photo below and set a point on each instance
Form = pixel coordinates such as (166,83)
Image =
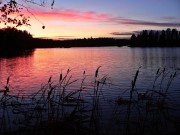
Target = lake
(119,64)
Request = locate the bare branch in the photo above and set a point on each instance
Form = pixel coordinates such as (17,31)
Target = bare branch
(11,8)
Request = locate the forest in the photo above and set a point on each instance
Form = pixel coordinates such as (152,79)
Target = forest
(13,39)
(152,38)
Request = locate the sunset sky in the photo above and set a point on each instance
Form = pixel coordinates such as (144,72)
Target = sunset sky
(102,18)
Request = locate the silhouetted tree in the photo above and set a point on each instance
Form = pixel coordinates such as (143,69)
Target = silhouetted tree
(163,36)
(133,37)
(11,15)
(151,36)
(166,37)
(13,39)
(174,34)
(156,36)
(144,36)
(168,34)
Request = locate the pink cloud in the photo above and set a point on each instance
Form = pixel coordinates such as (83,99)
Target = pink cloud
(127,21)
(73,15)
(91,16)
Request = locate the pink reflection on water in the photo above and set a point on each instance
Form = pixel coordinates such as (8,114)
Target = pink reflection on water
(120,64)
(28,73)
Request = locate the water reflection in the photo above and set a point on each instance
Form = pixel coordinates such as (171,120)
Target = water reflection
(119,64)
(156,57)
(30,71)
(16,53)
(18,67)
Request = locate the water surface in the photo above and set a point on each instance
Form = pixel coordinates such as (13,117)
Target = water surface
(119,64)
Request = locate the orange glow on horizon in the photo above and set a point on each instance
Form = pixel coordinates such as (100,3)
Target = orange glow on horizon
(69,24)
(72,24)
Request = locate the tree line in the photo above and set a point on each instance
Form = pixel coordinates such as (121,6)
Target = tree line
(164,38)
(11,39)
(14,39)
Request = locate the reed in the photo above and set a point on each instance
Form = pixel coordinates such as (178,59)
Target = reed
(56,105)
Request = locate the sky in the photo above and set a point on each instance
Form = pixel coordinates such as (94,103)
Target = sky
(101,18)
